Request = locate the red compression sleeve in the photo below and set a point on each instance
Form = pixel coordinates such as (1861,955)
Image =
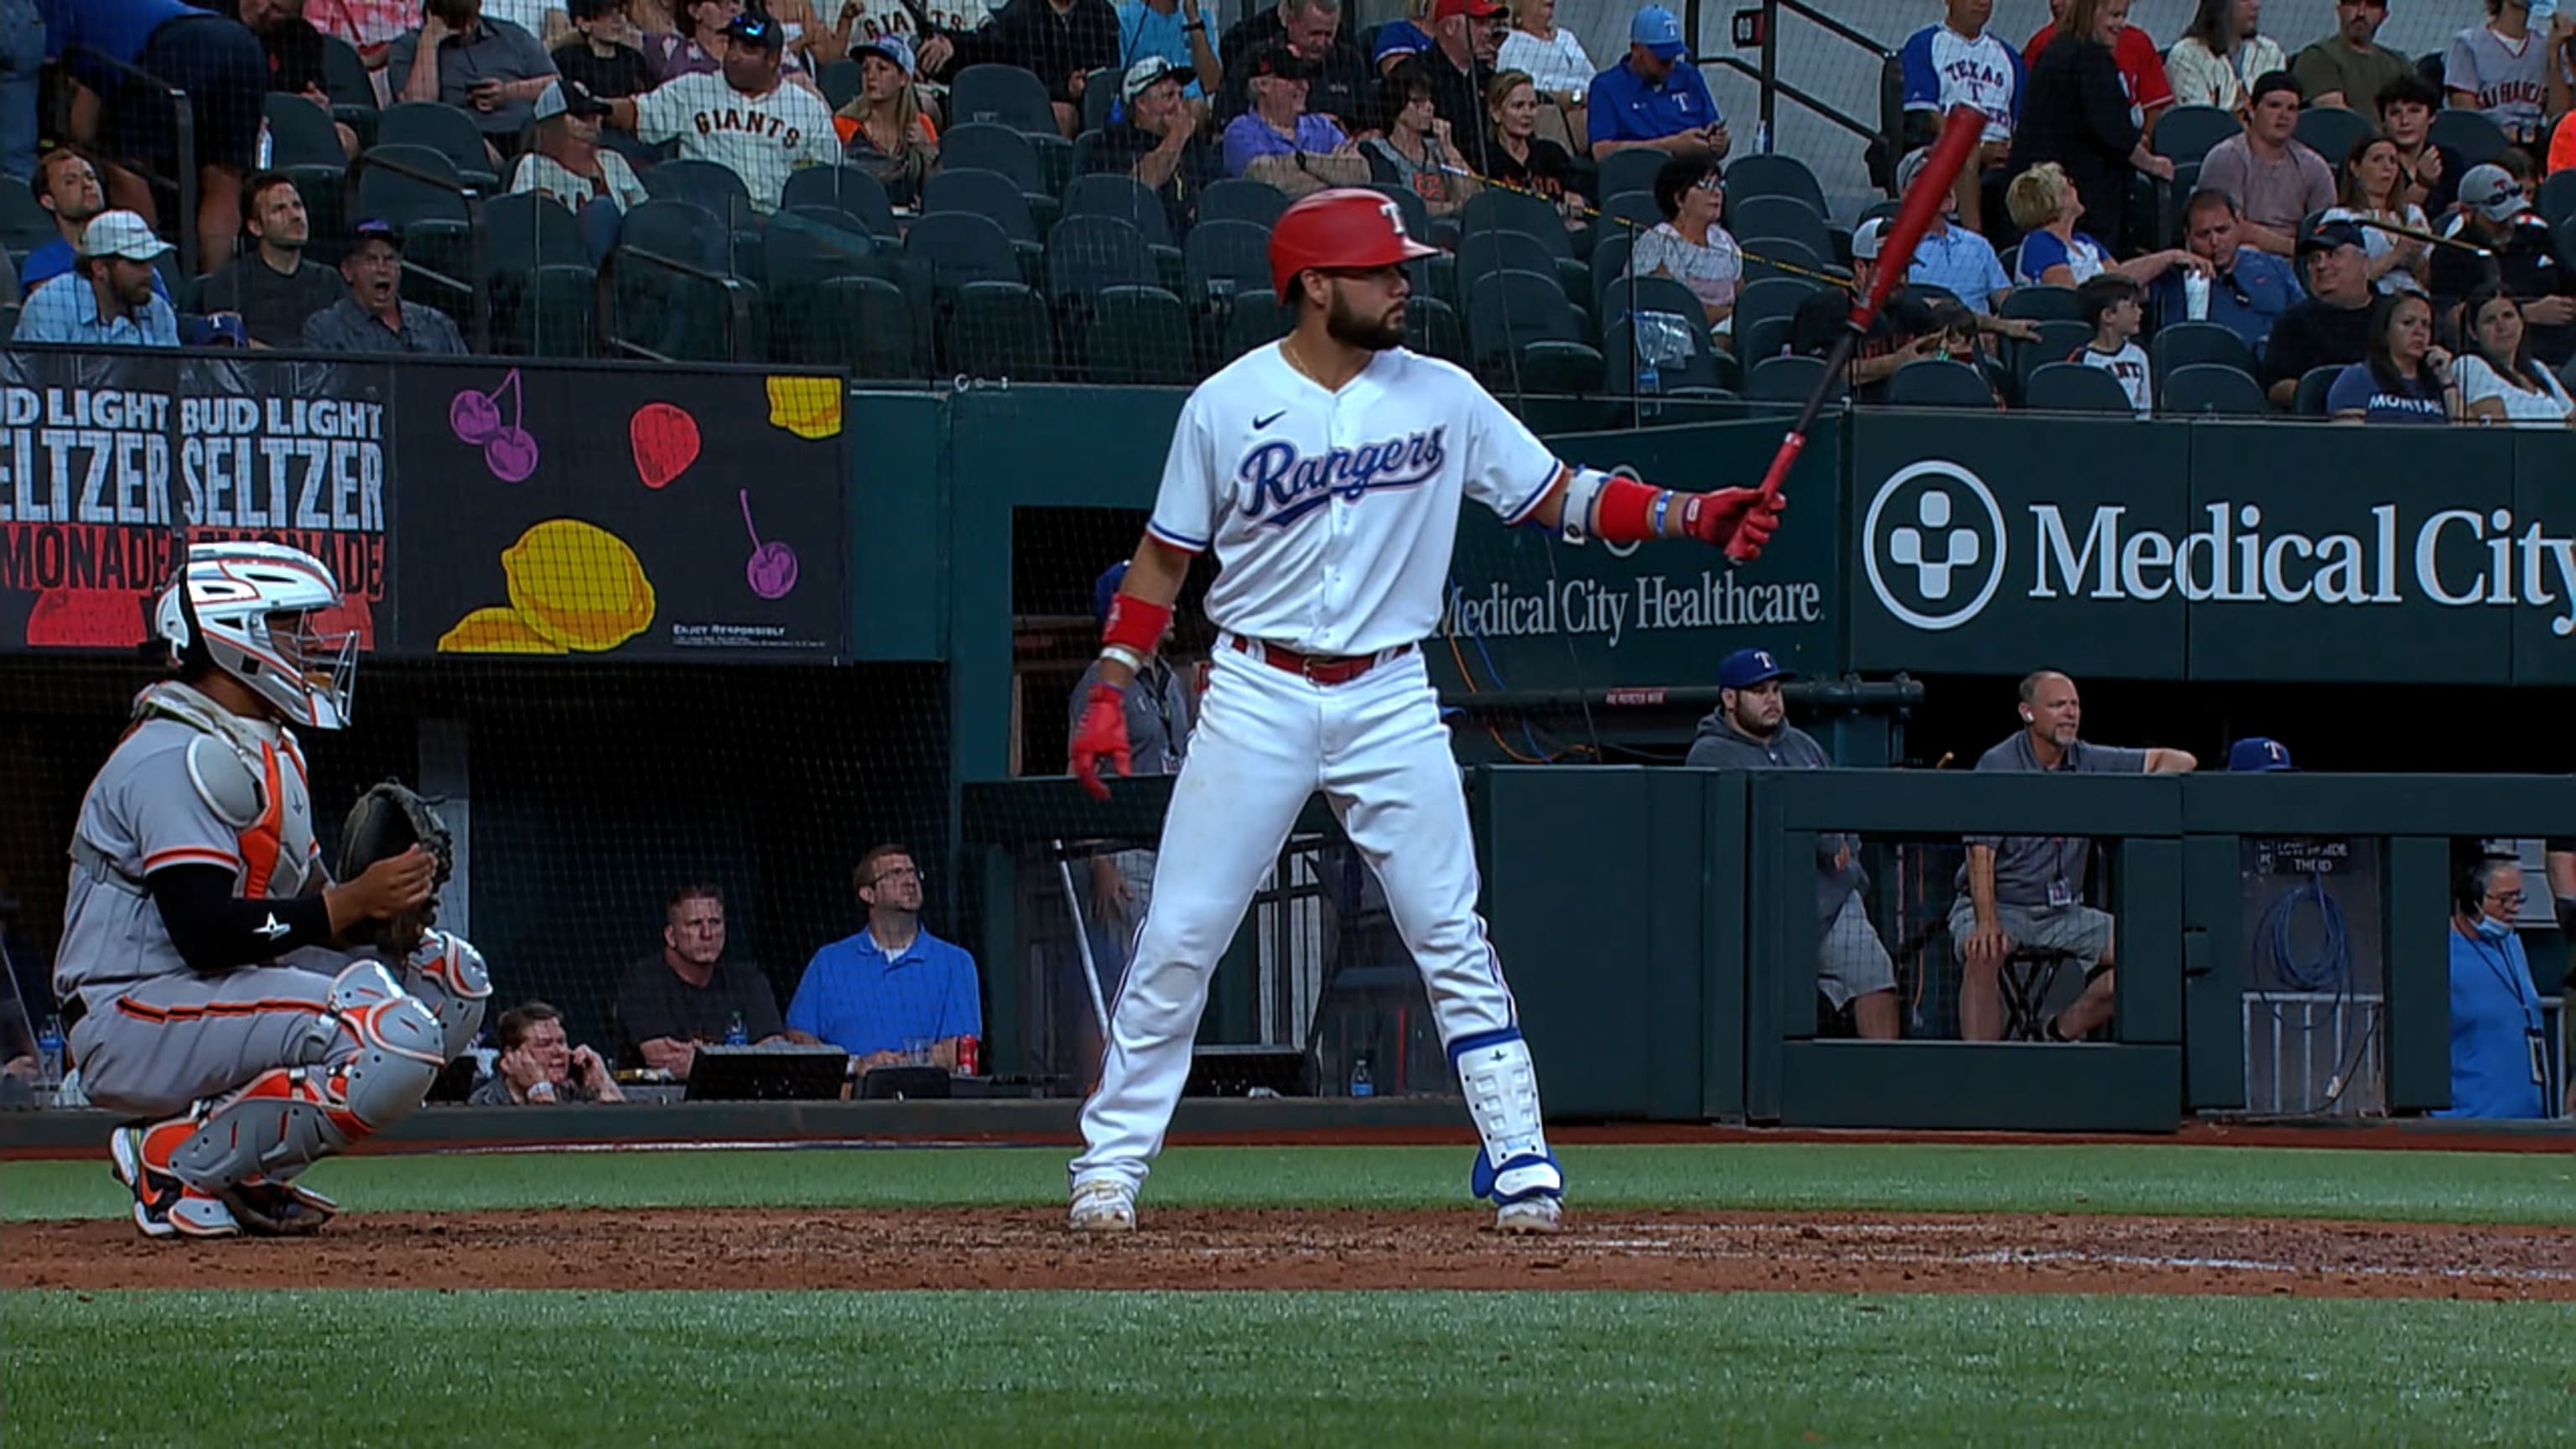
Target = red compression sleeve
(1625,511)
(1136,623)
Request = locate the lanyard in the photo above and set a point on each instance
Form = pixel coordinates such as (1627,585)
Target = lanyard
(2501,965)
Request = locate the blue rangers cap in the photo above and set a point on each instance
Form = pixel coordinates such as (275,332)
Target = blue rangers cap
(1746,668)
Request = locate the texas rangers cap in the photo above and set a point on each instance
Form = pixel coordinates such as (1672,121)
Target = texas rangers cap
(1143,74)
(1105,589)
(1655,28)
(1746,668)
(2256,755)
(2493,192)
(121,234)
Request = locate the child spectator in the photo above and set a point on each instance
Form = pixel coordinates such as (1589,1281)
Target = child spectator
(2109,305)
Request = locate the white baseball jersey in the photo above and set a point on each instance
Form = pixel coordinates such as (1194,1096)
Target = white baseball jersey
(1943,69)
(2511,82)
(1333,514)
(761,138)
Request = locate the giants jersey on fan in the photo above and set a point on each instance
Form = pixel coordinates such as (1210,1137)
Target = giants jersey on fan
(760,138)
(1944,69)
(144,813)
(1333,514)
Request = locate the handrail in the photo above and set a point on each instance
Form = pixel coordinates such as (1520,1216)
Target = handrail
(183,122)
(1767,74)
(477,288)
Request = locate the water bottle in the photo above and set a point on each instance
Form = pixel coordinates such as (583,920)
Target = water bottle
(49,1050)
(734,1034)
(1650,379)
(1362,1084)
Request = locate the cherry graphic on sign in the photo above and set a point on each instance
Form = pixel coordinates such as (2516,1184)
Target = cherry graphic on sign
(665,439)
(772,569)
(509,449)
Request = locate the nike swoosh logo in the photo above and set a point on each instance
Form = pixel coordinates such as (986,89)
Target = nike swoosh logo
(273,929)
(1259,423)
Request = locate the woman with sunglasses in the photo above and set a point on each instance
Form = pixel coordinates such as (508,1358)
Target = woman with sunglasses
(2499,383)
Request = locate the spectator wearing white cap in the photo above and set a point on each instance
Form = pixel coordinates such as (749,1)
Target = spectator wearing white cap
(1903,331)
(568,164)
(1158,140)
(1173,31)
(1655,97)
(106,299)
(2496,214)
(882,129)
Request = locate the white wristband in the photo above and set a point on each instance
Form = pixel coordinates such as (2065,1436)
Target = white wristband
(1124,655)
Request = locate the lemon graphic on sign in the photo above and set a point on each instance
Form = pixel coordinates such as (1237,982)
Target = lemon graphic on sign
(495,630)
(578,584)
(809,407)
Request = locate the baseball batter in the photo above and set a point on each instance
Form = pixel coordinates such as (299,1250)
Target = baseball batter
(1326,471)
(202,965)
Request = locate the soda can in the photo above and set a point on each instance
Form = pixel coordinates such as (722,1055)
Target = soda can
(970,1057)
(2195,296)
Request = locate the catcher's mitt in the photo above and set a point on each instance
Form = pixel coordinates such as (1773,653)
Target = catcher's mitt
(389,819)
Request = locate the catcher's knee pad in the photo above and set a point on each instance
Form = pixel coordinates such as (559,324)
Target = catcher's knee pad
(447,974)
(1501,1086)
(383,1064)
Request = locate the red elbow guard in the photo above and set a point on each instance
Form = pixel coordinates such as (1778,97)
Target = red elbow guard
(1625,511)
(1135,623)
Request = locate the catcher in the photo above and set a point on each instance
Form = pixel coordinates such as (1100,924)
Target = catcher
(256,1014)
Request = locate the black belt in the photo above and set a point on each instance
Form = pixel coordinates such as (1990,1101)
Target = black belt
(71,1011)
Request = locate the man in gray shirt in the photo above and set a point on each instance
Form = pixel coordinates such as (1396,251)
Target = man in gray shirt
(2021,890)
(374,317)
(490,69)
(1158,733)
(1750,730)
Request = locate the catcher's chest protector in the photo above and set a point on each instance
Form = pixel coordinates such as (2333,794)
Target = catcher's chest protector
(252,776)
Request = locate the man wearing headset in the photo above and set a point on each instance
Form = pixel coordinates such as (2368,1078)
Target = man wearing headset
(2499,1057)
(2024,890)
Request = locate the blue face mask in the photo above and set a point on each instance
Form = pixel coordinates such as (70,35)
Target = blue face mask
(2493,930)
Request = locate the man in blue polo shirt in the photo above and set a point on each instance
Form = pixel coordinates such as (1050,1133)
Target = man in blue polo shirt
(1653,100)
(892,984)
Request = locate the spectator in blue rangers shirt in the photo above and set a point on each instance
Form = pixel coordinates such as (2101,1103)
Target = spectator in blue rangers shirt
(1655,98)
(2249,286)
(1750,730)
(2498,1053)
(106,300)
(893,983)
(374,317)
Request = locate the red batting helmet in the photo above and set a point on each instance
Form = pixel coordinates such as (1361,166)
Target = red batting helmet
(1346,226)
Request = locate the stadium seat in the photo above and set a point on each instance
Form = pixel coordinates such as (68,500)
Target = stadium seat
(1654,294)
(1494,209)
(523,230)
(1236,199)
(2314,384)
(2185,344)
(1114,193)
(24,223)
(1773,174)
(2059,339)
(344,75)
(1701,367)
(1632,170)
(862,323)
(988,194)
(1088,254)
(301,133)
(2186,133)
(2041,304)
(1003,95)
(2213,387)
(1556,368)
(800,253)
(1756,220)
(841,82)
(1785,379)
(666,295)
(1226,259)
(1630,211)
(961,247)
(1000,330)
(444,129)
(1483,253)
(1772,256)
(8,319)
(1757,303)
(2557,199)
(2567,243)
(1609,262)
(1937,382)
(2332,131)
(710,184)
(2071,387)
(1100,97)
(1137,336)
(1259,317)
(428,187)
(549,311)
(986,146)
(846,189)
(9,288)
(677,231)
(1508,310)
(1431,328)
(1763,337)
(2477,139)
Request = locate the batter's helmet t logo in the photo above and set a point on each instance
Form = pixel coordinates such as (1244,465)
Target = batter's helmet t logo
(1934,545)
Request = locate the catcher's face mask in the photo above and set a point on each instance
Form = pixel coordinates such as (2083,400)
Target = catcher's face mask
(326,664)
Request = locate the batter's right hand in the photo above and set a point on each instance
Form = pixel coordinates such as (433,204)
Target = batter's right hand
(1103,732)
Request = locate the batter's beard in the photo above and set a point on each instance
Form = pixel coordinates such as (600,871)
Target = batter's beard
(1351,330)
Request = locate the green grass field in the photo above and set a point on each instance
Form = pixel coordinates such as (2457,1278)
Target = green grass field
(511,1368)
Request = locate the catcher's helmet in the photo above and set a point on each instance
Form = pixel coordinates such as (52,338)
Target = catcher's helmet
(1346,226)
(247,609)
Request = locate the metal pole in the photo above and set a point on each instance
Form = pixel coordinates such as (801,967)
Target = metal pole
(1770,66)
(184,118)
(1082,941)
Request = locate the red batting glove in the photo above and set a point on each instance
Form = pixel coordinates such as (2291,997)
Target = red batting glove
(1739,520)
(1103,732)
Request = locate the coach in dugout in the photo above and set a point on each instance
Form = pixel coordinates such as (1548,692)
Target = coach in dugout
(2022,890)
(1750,730)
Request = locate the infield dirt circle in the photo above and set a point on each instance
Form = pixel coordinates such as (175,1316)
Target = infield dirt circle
(1192,1248)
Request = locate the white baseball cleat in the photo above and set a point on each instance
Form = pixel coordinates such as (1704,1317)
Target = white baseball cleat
(1103,1206)
(1531,1215)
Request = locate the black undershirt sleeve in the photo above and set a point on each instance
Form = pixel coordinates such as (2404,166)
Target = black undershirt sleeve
(216,930)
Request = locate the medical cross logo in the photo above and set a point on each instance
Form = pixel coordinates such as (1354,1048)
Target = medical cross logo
(1935,545)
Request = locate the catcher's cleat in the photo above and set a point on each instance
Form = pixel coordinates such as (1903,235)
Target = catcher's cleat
(154,1188)
(196,1215)
(1530,1216)
(1103,1206)
(279,1209)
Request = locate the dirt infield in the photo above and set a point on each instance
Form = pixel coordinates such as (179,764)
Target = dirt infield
(987,1248)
